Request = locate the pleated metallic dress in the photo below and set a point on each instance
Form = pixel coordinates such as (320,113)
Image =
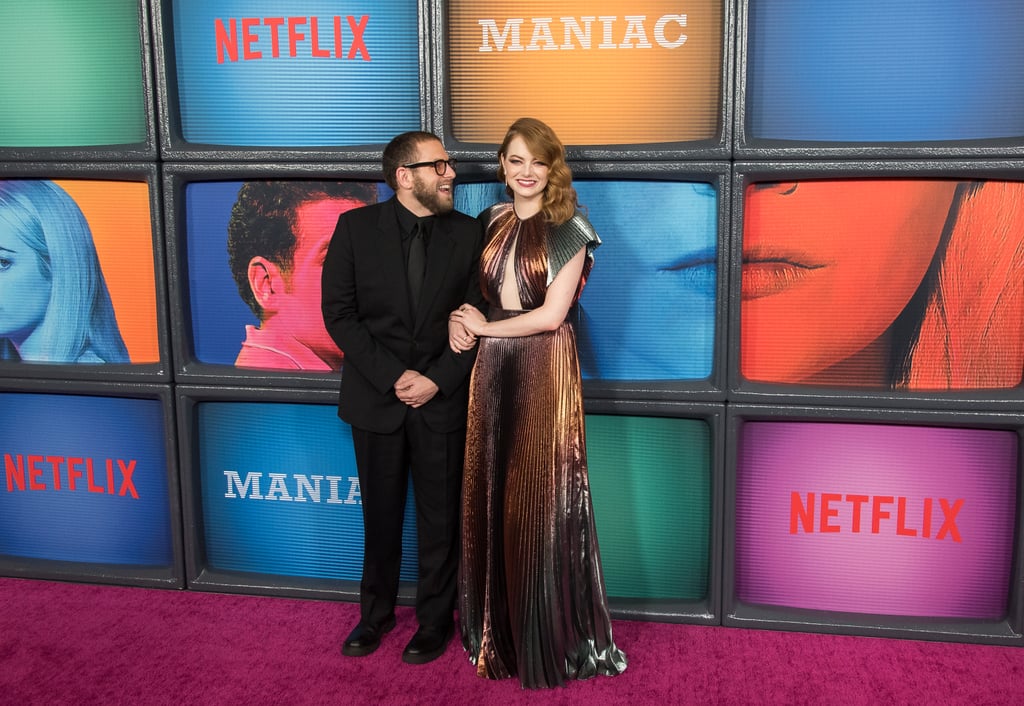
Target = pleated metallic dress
(532,599)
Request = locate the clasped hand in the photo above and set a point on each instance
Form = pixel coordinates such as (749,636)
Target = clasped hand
(464,325)
(415,389)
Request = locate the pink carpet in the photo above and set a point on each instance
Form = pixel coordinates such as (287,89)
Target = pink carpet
(66,643)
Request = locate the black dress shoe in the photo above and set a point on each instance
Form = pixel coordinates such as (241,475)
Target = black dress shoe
(427,644)
(366,638)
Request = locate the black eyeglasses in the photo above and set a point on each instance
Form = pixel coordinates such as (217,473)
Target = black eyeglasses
(439,165)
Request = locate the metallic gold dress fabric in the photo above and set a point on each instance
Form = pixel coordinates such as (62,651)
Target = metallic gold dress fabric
(532,600)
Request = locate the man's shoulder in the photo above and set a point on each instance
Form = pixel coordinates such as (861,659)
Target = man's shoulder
(370,211)
(457,220)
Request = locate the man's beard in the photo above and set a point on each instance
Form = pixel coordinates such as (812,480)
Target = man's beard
(430,198)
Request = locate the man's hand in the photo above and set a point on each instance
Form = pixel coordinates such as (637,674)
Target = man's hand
(415,389)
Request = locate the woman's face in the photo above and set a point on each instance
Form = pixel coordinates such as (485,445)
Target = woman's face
(24,288)
(525,174)
(829,265)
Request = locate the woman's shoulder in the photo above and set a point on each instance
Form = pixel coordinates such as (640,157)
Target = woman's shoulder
(575,233)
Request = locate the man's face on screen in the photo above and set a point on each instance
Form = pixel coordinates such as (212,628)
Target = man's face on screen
(828,265)
(298,311)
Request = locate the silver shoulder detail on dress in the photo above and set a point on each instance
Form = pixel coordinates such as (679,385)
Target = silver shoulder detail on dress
(566,239)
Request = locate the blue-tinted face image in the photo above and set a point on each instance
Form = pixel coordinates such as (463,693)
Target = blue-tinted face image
(648,309)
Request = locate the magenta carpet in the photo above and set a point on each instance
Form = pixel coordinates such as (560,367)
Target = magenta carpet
(67,643)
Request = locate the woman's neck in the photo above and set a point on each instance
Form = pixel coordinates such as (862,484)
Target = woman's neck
(526,208)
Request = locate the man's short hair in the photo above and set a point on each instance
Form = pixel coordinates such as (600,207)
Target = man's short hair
(402,150)
(263,223)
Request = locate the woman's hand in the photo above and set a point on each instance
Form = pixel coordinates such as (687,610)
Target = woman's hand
(459,339)
(470,318)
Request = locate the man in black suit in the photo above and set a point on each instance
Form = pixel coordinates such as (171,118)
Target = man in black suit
(403,389)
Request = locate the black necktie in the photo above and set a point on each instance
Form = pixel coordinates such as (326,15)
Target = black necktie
(417,260)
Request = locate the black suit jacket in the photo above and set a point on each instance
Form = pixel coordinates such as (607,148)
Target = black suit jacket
(366,310)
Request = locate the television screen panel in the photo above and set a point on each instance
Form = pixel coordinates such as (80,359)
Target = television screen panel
(681,53)
(906,281)
(917,73)
(274,492)
(83,261)
(268,75)
(874,518)
(76,80)
(89,488)
(653,489)
(657,274)
(234,263)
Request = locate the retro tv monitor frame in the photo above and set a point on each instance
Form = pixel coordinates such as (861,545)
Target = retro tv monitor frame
(177,178)
(200,574)
(156,340)
(705,611)
(834,95)
(715,174)
(1006,629)
(746,173)
(175,147)
(171,576)
(144,149)
(439,89)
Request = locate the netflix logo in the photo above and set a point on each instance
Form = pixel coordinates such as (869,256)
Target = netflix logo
(39,472)
(926,518)
(255,38)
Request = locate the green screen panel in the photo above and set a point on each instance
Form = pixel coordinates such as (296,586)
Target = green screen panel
(72,74)
(651,483)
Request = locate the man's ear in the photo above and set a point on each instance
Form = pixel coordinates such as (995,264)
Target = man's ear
(403,177)
(266,282)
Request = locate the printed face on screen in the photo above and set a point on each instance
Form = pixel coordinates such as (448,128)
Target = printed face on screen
(828,266)
(648,309)
(300,304)
(76,261)
(255,255)
(24,287)
(577,66)
(291,334)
